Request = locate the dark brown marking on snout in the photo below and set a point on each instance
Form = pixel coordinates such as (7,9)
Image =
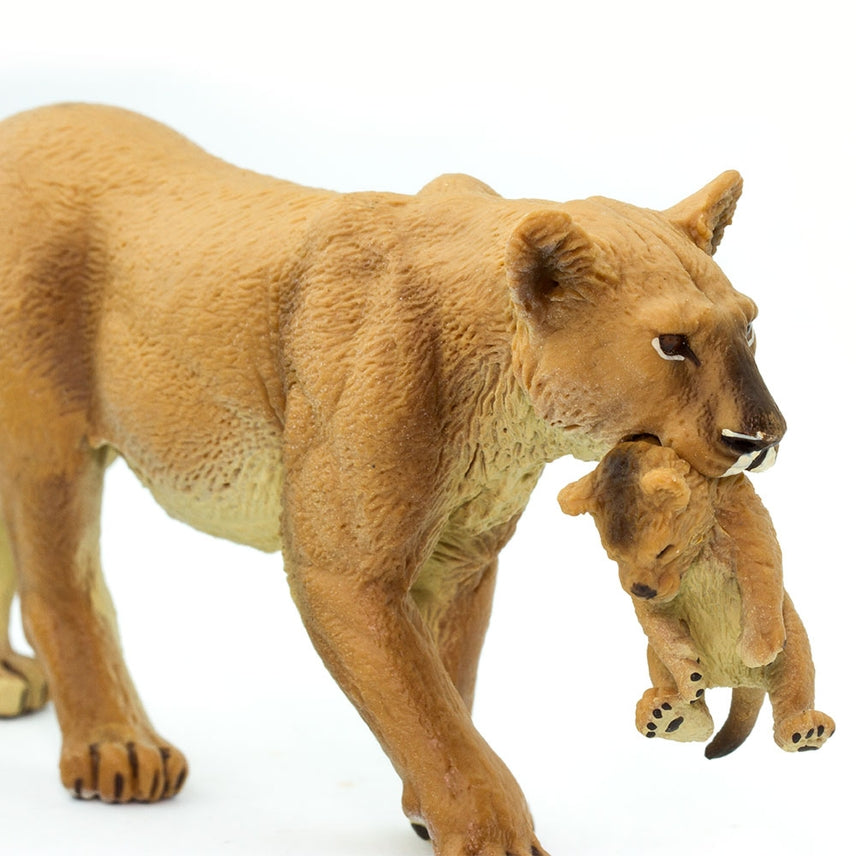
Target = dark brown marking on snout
(642,591)
(758,410)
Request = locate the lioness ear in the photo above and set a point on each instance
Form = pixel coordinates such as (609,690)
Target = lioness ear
(704,215)
(548,258)
(577,497)
(667,488)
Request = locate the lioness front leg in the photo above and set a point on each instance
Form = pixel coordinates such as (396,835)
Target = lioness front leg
(109,748)
(352,552)
(454,598)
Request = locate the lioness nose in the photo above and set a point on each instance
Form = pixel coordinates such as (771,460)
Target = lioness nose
(643,591)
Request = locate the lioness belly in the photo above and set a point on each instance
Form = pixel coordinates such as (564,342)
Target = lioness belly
(239,498)
(196,425)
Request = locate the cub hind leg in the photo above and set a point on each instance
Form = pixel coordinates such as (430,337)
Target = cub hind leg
(23,685)
(797,726)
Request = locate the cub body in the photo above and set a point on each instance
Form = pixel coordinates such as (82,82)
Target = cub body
(701,561)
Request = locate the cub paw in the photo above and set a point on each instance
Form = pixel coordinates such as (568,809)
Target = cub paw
(669,716)
(118,772)
(804,732)
(690,679)
(23,686)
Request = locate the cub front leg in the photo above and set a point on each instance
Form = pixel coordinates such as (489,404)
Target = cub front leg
(664,712)
(352,551)
(672,651)
(758,568)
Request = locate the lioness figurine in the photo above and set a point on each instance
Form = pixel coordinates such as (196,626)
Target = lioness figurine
(370,383)
(701,560)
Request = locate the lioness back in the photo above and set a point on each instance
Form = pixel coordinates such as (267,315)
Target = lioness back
(181,297)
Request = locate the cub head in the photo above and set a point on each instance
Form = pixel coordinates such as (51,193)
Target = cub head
(653,512)
(627,327)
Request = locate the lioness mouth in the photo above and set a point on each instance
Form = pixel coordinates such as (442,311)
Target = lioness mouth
(756,462)
(753,460)
(643,438)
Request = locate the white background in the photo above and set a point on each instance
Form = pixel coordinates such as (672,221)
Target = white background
(640,101)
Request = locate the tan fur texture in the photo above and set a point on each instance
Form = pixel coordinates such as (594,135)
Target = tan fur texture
(701,560)
(370,383)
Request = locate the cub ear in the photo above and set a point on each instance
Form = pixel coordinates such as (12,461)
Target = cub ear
(667,488)
(548,258)
(703,216)
(577,497)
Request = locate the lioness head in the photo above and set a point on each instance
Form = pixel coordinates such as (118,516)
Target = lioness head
(627,327)
(653,512)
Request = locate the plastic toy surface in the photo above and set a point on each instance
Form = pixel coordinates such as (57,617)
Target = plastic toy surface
(700,559)
(370,383)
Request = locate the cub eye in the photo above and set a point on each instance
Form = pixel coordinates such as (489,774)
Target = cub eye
(674,346)
(750,334)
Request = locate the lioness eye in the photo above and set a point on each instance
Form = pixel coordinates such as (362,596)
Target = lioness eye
(750,334)
(674,346)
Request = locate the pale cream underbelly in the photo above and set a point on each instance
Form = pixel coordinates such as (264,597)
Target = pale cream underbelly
(242,502)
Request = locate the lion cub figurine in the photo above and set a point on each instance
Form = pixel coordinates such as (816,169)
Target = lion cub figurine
(700,559)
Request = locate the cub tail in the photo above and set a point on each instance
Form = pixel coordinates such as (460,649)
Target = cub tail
(745,704)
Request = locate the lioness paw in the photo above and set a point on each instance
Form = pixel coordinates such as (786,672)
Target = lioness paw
(120,772)
(23,686)
(668,715)
(804,732)
(533,850)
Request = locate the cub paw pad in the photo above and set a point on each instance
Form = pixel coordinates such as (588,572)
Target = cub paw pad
(673,718)
(806,732)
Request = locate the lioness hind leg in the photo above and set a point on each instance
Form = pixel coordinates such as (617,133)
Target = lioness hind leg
(23,686)
(109,748)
